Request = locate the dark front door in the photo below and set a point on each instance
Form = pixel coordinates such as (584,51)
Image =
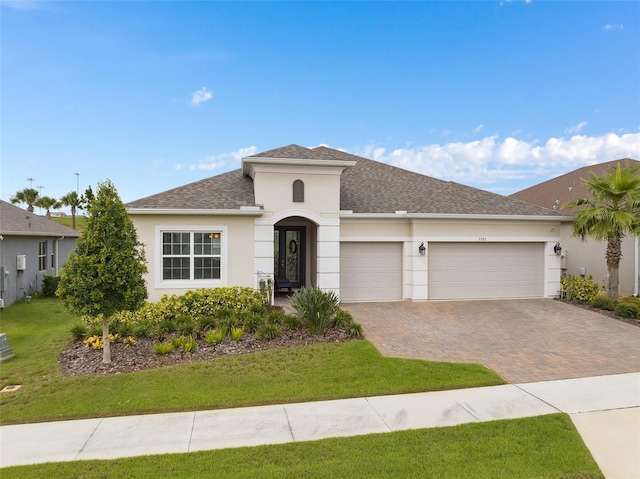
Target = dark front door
(289,254)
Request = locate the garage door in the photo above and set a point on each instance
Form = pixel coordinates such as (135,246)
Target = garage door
(486,270)
(370,271)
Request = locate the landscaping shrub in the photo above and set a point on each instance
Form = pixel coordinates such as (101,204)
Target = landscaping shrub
(251,321)
(315,308)
(602,302)
(188,344)
(207,302)
(275,316)
(290,322)
(628,309)
(184,325)
(79,331)
(578,288)
(50,284)
(163,348)
(343,319)
(268,331)
(355,330)
(207,323)
(237,333)
(215,336)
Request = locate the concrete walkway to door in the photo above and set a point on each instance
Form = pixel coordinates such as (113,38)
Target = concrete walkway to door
(524,340)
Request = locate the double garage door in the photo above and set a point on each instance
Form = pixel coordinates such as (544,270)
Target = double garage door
(373,271)
(486,270)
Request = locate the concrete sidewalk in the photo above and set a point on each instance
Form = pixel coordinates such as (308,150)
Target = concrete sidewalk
(605,409)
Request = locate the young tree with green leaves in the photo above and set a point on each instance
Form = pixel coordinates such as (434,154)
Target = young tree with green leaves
(611,213)
(72,200)
(47,203)
(28,196)
(105,273)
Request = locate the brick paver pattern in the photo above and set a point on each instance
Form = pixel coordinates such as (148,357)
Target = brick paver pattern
(523,340)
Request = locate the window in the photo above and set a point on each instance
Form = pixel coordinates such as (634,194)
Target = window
(298,191)
(42,256)
(191,255)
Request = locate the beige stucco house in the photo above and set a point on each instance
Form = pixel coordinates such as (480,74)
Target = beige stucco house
(364,229)
(585,258)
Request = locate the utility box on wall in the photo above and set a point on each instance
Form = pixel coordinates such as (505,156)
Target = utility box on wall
(21,262)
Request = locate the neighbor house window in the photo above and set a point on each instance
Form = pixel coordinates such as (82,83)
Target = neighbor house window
(298,191)
(191,255)
(42,256)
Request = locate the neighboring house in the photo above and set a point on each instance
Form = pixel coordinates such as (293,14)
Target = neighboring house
(585,258)
(322,217)
(30,246)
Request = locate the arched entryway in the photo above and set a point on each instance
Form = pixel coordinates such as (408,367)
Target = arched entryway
(294,252)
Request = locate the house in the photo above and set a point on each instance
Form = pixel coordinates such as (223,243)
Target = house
(30,247)
(364,229)
(585,258)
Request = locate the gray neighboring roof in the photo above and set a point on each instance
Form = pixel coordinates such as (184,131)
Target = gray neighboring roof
(367,187)
(568,187)
(16,221)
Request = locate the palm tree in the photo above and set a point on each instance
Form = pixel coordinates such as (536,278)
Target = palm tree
(28,196)
(73,200)
(47,203)
(612,212)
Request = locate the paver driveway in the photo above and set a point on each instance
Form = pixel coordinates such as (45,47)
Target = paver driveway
(522,340)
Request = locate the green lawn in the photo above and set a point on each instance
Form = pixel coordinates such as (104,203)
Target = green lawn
(38,331)
(541,447)
(81,222)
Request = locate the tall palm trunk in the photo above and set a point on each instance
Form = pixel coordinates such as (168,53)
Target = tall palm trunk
(613,256)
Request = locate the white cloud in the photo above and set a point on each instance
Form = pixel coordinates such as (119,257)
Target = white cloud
(491,160)
(201,96)
(610,26)
(479,128)
(223,161)
(572,130)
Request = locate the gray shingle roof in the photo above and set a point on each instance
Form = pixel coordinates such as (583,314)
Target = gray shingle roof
(374,187)
(19,222)
(568,187)
(227,191)
(368,187)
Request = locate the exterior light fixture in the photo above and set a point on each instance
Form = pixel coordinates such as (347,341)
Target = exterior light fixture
(557,249)
(421,249)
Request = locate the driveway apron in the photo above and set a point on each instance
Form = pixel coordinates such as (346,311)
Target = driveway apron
(524,340)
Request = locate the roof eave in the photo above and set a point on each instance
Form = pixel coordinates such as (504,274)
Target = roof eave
(346,215)
(247,163)
(242,211)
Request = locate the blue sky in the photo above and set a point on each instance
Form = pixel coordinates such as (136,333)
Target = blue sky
(152,95)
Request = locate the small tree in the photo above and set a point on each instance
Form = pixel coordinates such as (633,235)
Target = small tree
(104,274)
(72,200)
(28,196)
(612,211)
(47,203)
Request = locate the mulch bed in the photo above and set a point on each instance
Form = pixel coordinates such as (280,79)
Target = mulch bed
(604,312)
(78,359)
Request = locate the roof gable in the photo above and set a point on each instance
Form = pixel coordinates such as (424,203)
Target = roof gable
(20,222)
(557,191)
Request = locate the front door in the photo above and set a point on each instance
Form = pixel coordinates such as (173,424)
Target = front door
(289,254)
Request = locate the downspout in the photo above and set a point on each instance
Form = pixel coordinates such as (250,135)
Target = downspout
(58,254)
(636,269)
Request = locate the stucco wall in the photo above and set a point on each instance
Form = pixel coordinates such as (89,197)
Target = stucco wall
(590,254)
(238,240)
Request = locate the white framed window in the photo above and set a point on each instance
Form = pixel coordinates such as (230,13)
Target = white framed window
(191,256)
(42,256)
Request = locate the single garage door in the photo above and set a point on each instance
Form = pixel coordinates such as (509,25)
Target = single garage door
(370,271)
(486,270)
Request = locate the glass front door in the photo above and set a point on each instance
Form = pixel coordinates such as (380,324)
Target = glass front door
(289,254)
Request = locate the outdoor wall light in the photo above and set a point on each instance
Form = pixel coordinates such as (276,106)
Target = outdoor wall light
(422,249)
(557,249)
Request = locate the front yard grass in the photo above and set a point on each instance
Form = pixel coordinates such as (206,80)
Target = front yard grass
(540,447)
(38,331)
